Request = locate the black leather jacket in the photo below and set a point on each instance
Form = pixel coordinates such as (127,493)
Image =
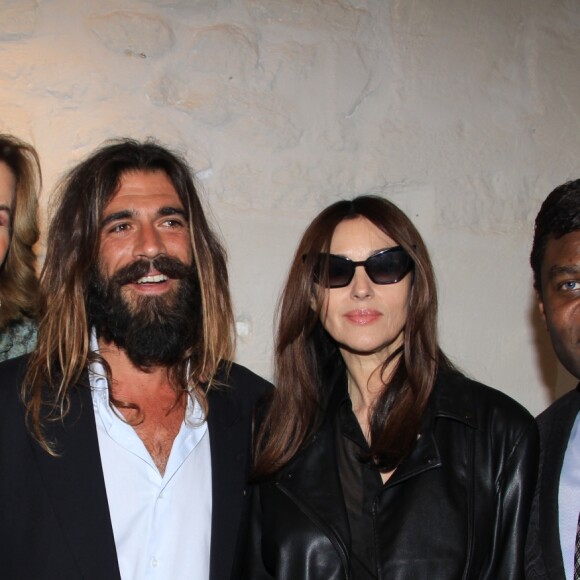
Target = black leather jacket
(456,508)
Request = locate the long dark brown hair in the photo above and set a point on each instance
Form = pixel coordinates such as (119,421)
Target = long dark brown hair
(18,282)
(62,352)
(304,349)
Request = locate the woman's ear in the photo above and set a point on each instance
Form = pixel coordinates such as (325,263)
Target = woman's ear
(315,298)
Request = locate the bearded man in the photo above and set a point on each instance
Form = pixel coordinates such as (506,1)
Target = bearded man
(125,436)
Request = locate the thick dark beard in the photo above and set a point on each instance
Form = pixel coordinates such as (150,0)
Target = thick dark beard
(152,330)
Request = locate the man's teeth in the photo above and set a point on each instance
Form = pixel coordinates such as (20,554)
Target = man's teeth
(152,279)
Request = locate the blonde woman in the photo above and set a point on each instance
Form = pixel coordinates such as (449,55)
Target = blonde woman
(20,180)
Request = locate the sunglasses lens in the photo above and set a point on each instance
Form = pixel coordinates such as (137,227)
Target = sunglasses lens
(388,267)
(340,271)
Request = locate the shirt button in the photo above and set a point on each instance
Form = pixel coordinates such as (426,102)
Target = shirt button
(154,562)
(160,496)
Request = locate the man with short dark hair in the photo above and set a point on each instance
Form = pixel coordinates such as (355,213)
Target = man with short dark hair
(125,436)
(554,533)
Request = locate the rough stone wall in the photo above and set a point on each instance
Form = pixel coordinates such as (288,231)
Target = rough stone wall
(465,113)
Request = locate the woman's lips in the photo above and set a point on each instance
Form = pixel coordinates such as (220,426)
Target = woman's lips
(362,316)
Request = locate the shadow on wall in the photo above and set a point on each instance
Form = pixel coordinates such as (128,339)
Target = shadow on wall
(555,378)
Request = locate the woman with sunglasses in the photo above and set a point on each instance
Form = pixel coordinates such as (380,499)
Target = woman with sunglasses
(19,183)
(375,457)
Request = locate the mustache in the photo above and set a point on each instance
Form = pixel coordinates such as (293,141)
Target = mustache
(166,265)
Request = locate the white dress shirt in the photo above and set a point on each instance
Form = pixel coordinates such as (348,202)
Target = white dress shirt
(161,524)
(569,499)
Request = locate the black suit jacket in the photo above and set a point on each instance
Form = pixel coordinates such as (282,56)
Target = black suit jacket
(54,515)
(543,550)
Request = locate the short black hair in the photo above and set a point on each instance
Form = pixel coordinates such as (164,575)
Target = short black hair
(558,216)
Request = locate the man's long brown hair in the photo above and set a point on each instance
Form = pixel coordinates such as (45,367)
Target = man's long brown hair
(62,353)
(18,282)
(304,349)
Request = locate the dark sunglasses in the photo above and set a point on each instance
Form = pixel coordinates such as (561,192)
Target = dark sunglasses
(387,267)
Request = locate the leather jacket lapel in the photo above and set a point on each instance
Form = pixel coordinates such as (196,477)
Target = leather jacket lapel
(323,503)
(423,457)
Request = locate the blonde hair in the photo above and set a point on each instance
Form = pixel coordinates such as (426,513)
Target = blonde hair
(18,282)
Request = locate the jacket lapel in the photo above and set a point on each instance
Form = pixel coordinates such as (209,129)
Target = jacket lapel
(228,471)
(553,458)
(75,484)
(425,455)
(322,504)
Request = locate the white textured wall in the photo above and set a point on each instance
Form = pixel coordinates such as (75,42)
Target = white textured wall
(465,113)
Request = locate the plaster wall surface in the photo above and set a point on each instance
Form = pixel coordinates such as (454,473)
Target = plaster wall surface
(466,114)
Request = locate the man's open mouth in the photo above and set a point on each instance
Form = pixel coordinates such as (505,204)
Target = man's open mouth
(152,279)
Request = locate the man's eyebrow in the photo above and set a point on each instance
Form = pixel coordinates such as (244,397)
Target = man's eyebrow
(572,269)
(168,210)
(118,215)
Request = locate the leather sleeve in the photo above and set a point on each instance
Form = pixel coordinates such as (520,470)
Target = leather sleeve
(515,489)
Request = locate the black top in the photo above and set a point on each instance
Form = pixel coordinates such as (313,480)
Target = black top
(361,484)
